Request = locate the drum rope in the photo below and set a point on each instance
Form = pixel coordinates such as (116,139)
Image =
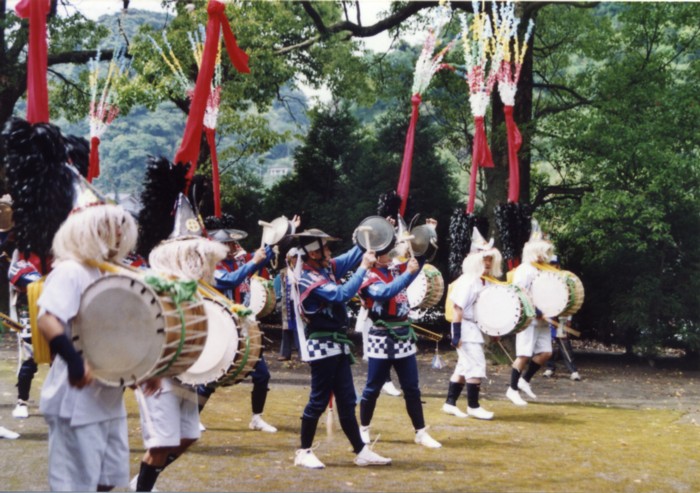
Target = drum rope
(179,292)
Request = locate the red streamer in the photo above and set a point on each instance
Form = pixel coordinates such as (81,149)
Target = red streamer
(37,59)
(515,140)
(94,163)
(211,140)
(481,158)
(407,163)
(191,141)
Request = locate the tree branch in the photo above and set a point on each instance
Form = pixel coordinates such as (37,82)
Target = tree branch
(558,192)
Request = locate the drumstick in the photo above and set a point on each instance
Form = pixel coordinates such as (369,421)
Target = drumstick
(264,224)
(365,230)
(566,328)
(504,350)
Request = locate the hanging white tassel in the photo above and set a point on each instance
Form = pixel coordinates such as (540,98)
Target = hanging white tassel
(437,363)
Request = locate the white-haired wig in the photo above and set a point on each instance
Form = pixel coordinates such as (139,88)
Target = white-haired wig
(191,258)
(537,251)
(98,232)
(473,264)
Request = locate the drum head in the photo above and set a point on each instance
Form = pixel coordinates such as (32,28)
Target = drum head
(381,237)
(497,310)
(417,291)
(550,293)
(424,241)
(120,329)
(220,348)
(262,296)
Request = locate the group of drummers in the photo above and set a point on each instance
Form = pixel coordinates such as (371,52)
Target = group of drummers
(180,324)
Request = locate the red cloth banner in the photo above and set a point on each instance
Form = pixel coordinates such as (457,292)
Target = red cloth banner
(94,163)
(515,140)
(407,163)
(481,158)
(211,140)
(191,141)
(37,59)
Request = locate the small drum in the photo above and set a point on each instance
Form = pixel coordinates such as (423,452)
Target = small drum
(262,296)
(248,354)
(501,309)
(221,348)
(427,288)
(557,293)
(128,333)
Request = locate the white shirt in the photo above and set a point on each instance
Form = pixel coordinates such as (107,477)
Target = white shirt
(464,295)
(96,402)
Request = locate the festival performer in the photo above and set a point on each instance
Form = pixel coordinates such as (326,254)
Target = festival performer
(170,418)
(321,301)
(88,440)
(534,344)
(290,337)
(391,341)
(483,260)
(23,270)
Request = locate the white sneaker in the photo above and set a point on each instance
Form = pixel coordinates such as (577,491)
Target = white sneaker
(479,413)
(21,410)
(422,438)
(305,457)
(515,398)
(388,388)
(453,410)
(548,373)
(525,387)
(202,427)
(257,423)
(364,433)
(367,457)
(575,376)
(10,435)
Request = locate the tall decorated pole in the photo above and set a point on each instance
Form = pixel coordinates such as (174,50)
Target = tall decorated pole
(37,59)
(428,64)
(216,23)
(103,105)
(512,218)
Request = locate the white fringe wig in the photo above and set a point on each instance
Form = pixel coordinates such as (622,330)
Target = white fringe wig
(473,264)
(192,258)
(98,232)
(537,251)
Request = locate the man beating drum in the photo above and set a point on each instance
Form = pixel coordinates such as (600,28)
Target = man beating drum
(534,344)
(467,339)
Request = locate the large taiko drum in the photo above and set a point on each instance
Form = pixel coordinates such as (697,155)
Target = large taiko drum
(262,296)
(557,293)
(220,350)
(501,309)
(248,354)
(427,288)
(128,333)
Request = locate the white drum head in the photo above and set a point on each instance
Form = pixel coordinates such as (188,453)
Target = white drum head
(219,349)
(550,293)
(497,310)
(417,290)
(120,329)
(260,297)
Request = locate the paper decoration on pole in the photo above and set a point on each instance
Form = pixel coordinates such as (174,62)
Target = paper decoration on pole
(482,57)
(509,74)
(103,106)
(217,21)
(37,59)
(426,66)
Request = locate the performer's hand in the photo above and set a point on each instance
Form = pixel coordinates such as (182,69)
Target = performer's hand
(413,266)
(259,256)
(368,259)
(151,386)
(85,380)
(391,220)
(296,221)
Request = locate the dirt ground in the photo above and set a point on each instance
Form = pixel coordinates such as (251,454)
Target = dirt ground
(609,379)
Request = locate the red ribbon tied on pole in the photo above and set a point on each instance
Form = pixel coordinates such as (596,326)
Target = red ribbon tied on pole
(515,140)
(481,158)
(37,59)
(94,162)
(407,163)
(189,148)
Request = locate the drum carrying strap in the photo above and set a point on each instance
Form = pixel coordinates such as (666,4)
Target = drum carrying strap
(337,337)
(179,292)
